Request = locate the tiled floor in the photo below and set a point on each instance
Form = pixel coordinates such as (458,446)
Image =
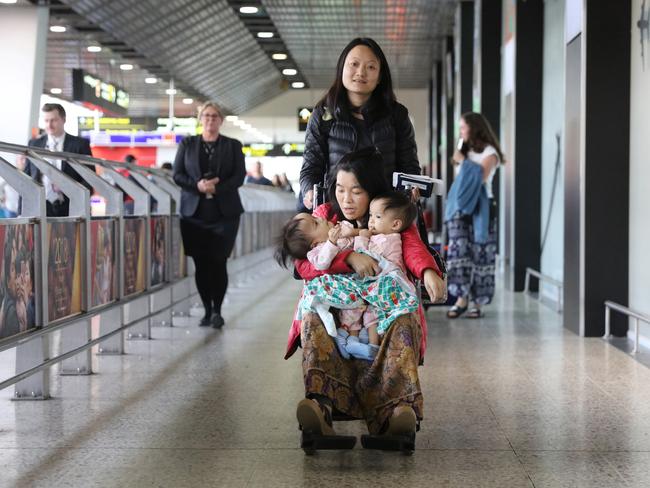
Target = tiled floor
(511,400)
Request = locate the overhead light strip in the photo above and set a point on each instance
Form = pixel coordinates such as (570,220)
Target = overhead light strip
(255,18)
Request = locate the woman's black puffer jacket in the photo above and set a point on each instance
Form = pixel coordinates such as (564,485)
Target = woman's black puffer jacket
(329,138)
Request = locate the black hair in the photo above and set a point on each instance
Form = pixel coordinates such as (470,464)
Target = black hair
(400,204)
(480,134)
(382,98)
(292,243)
(130,158)
(367,166)
(50,107)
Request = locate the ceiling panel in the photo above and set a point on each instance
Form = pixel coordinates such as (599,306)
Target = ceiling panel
(408,31)
(201,43)
(210,53)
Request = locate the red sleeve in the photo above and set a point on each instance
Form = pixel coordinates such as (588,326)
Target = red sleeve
(323,211)
(417,257)
(308,272)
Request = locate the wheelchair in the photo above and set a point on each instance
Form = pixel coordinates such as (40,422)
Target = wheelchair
(311,442)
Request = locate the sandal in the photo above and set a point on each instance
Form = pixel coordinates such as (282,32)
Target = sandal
(456,311)
(402,422)
(475,313)
(314,417)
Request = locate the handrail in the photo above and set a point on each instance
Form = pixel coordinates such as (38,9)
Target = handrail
(73,352)
(24,337)
(609,305)
(542,277)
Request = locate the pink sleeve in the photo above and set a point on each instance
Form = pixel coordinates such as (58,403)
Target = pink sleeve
(321,256)
(308,272)
(361,242)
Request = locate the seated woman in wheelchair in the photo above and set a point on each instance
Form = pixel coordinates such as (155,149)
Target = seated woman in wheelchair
(385,392)
(366,306)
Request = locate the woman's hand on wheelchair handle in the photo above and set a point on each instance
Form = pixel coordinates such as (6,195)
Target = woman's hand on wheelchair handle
(362,264)
(435,285)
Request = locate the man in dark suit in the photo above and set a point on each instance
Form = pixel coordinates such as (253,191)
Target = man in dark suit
(56,139)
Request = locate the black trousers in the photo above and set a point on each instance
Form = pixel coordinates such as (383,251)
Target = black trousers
(210,246)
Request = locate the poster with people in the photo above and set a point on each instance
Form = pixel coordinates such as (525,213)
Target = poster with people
(63,269)
(134,255)
(178,253)
(17,295)
(158,251)
(103,262)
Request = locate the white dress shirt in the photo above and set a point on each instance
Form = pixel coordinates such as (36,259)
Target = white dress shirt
(53,144)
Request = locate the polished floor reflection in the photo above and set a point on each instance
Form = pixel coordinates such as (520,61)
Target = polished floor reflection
(511,400)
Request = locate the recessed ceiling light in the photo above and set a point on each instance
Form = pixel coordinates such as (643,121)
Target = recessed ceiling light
(126,67)
(265,35)
(246,127)
(94,49)
(57,28)
(170,91)
(297,84)
(188,101)
(289,72)
(56,91)
(279,56)
(231,118)
(150,80)
(8,1)
(248,10)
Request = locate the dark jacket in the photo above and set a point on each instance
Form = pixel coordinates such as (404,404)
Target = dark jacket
(329,137)
(227,163)
(71,144)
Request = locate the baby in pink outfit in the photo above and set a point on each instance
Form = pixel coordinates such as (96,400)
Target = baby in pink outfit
(320,241)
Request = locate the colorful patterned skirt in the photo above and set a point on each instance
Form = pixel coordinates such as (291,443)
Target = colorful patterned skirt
(361,389)
(470,265)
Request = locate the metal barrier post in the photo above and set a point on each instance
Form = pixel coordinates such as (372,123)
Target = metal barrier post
(33,352)
(608,330)
(636,335)
(79,206)
(141,209)
(110,320)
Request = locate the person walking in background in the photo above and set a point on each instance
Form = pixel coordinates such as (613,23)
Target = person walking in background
(257,177)
(56,139)
(470,218)
(210,168)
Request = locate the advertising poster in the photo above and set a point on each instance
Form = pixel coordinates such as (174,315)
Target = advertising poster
(134,255)
(63,269)
(103,262)
(178,253)
(158,251)
(17,302)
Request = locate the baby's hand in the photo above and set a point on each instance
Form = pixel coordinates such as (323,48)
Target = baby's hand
(348,231)
(367,233)
(334,234)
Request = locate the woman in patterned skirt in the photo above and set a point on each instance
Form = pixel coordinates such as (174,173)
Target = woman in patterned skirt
(470,218)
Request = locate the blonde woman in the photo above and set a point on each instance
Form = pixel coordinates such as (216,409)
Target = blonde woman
(210,168)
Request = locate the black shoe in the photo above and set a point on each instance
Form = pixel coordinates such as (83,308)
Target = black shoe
(205,321)
(217,320)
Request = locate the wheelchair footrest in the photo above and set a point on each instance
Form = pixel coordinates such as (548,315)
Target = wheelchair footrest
(404,443)
(311,442)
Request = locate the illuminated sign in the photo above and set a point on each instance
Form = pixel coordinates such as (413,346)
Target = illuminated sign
(303,117)
(183,125)
(91,90)
(261,150)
